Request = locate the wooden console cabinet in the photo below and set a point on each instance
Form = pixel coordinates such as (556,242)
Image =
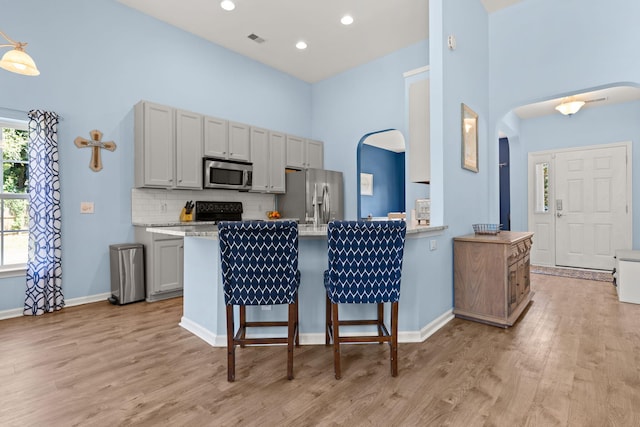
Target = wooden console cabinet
(491,277)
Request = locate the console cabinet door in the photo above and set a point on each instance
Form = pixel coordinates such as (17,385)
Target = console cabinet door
(188,150)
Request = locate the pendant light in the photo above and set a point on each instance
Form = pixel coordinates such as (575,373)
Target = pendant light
(570,107)
(17,60)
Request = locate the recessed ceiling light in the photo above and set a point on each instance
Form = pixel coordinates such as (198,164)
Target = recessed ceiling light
(227,5)
(301,45)
(347,20)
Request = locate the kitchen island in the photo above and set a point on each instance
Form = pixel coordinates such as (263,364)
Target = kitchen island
(204,309)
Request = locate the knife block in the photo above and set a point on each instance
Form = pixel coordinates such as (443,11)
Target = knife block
(186,217)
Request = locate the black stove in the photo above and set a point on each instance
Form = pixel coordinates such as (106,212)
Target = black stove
(218,211)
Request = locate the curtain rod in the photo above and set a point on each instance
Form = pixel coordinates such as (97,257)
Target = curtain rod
(13,116)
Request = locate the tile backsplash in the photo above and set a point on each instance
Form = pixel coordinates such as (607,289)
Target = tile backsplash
(158,206)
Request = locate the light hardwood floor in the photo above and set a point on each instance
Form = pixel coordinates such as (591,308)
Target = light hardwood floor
(572,359)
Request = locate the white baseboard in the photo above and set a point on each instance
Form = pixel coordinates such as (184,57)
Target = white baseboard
(317,338)
(18,312)
(433,326)
(203,333)
(8,314)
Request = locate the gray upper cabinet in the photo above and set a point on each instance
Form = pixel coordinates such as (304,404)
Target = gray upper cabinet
(226,140)
(304,153)
(239,142)
(314,154)
(170,144)
(277,160)
(295,152)
(216,142)
(168,147)
(188,150)
(268,158)
(260,159)
(154,145)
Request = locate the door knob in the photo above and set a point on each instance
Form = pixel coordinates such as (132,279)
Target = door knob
(558,214)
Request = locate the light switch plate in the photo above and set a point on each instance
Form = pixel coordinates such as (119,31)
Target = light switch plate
(86,207)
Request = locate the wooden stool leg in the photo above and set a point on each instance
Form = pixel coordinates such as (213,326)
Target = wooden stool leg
(380,320)
(231,346)
(297,331)
(291,331)
(328,318)
(394,339)
(336,340)
(243,324)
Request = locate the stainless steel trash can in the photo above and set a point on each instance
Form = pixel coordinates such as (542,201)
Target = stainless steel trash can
(127,273)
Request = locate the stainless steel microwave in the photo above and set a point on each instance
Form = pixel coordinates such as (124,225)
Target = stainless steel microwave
(227,174)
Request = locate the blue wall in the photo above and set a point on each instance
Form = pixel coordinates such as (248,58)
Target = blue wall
(97,59)
(388,169)
(362,100)
(591,126)
(532,63)
(538,64)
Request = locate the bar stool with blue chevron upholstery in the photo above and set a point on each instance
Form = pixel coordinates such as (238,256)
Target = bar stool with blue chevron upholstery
(259,267)
(365,264)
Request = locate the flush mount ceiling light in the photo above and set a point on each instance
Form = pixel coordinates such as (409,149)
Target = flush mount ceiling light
(570,107)
(17,60)
(227,5)
(347,20)
(301,45)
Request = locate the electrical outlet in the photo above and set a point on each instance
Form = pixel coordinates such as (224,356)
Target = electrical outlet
(163,207)
(433,245)
(86,207)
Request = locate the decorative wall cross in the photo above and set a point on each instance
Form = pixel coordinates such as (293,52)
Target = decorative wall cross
(96,144)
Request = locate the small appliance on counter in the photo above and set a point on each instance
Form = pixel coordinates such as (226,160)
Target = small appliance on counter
(218,211)
(313,196)
(423,210)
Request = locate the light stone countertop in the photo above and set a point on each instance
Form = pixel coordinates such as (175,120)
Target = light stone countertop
(210,231)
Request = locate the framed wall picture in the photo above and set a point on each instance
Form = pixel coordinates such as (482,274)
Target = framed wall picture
(366,184)
(469,139)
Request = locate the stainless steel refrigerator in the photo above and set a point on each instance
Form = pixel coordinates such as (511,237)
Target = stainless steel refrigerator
(314,196)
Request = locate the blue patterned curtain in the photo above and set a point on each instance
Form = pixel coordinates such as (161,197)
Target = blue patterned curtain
(44,271)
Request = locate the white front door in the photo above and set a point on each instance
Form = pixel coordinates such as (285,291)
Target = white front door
(592,211)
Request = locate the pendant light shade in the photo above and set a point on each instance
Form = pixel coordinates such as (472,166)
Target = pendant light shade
(17,60)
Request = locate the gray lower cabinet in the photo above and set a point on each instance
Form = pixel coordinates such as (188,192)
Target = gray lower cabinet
(164,261)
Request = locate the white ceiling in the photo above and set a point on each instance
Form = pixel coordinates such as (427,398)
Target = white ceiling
(379,28)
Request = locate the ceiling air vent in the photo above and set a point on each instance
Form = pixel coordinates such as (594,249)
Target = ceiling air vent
(256,38)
